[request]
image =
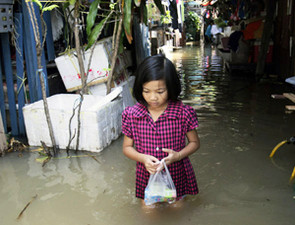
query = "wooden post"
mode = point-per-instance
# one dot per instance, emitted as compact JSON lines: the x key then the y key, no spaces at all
{"x":5,"y":51}
{"x":30,"y":55}
{"x":292,"y":35}
{"x":20,"y":72}
{"x":3,"y":143}
{"x":266,"y":35}
{"x":2,"y":99}
{"x":49,"y":38}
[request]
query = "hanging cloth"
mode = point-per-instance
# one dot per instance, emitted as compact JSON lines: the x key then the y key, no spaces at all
{"x":173,"y":13}
{"x":235,"y":16}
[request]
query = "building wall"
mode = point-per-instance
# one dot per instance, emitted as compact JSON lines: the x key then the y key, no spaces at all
{"x":284,"y":38}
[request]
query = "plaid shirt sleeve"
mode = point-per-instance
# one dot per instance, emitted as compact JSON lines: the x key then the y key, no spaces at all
{"x":190,"y":118}
{"x":126,"y":122}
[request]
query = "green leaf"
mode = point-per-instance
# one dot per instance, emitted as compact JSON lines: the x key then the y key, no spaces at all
{"x":137,"y":2}
{"x":66,"y":5}
{"x":94,"y":33}
{"x":127,"y":17}
{"x":112,"y":6}
{"x":91,"y":16}
{"x":42,"y":154}
{"x":38,"y":3}
{"x":145,"y":15}
{"x":72,"y":2}
{"x":49,"y":8}
{"x":41,"y":160}
{"x":160,"y":6}
{"x":121,"y":45}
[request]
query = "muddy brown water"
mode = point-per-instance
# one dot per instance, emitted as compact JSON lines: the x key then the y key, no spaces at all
{"x":239,"y":126}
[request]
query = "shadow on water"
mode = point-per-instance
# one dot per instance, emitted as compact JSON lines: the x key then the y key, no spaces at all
{"x":239,"y":126}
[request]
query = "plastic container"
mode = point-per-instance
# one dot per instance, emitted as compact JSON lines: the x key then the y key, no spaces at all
{"x":290,"y":80}
{"x":100,"y":120}
{"x":128,"y":100}
{"x":69,"y":70}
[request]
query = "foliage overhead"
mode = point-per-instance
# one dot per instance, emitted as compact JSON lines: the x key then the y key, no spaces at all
{"x":192,"y":23}
{"x":91,"y":16}
{"x":46,"y":7}
{"x":128,"y":8}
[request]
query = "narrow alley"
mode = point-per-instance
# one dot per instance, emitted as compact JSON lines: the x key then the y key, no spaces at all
{"x":239,"y":184}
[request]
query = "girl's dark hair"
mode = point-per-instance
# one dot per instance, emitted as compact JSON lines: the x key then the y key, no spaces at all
{"x":156,"y":67}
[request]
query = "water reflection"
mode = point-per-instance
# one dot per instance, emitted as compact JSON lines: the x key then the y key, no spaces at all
{"x":77,"y":174}
{"x":200,"y":69}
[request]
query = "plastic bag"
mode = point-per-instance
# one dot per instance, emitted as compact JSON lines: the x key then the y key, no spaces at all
{"x":160,"y":187}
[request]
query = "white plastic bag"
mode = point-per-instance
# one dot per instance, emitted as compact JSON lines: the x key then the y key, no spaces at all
{"x":291,"y":80}
{"x":160,"y":187}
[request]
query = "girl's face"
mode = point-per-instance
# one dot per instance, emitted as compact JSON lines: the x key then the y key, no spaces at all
{"x":155,"y":94}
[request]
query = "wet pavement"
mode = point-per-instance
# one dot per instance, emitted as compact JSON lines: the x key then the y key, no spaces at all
{"x":240,"y":124}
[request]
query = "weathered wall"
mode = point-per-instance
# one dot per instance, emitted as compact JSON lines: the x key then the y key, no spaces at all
{"x":284,"y":31}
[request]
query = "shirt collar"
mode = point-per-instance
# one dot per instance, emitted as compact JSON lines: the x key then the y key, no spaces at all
{"x":140,"y":110}
{"x":172,"y":111}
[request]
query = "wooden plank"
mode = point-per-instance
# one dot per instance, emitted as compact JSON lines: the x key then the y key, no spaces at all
{"x":20,"y":72}
{"x":2,"y":100}
{"x":4,"y":38}
{"x":290,"y":107}
{"x":100,"y":81}
{"x":276,"y":96}
{"x":290,"y":96}
{"x":49,"y":38}
{"x":30,"y":54}
{"x":3,"y":143}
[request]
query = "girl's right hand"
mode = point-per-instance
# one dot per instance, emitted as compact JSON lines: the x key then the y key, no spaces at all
{"x":151,"y":163}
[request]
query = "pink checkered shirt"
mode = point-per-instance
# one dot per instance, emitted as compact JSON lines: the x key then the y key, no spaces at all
{"x":169,"y":131}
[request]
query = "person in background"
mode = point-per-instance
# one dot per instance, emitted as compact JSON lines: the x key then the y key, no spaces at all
{"x":208,"y":36}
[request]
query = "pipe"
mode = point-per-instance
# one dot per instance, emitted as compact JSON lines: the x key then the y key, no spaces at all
{"x":277,"y":147}
{"x":293,"y":175}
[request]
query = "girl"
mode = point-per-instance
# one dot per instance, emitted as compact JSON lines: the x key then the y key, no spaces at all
{"x":156,"y":127}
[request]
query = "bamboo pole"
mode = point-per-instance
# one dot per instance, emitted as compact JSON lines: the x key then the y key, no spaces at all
{"x":78,"y":47}
{"x":39,"y":48}
{"x":115,"y":53}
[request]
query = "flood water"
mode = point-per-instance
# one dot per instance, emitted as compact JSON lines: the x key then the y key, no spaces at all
{"x":240,"y":124}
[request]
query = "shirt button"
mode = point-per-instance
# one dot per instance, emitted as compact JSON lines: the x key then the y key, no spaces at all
{"x":157,"y":148}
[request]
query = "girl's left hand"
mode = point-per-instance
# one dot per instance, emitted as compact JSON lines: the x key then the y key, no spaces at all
{"x":172,"y":157}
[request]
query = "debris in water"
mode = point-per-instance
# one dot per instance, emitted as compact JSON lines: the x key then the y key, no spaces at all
{"x":21,"y":213}
{"x":94,"y":158}
{"x":16,"y":146}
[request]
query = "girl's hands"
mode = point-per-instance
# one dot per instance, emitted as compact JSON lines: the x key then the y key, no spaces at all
{"x":151,"y":163}
{"x":172,"y":157}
